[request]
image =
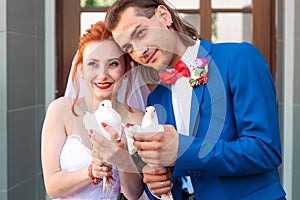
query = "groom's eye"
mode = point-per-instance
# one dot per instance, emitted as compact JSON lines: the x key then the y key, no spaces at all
{"x":140,"y":33}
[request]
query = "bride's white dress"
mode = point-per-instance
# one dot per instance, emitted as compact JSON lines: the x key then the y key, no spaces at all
{"x":76,"y":155}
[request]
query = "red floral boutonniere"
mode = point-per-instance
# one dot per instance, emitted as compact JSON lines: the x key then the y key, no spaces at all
{"x":199,"y":72}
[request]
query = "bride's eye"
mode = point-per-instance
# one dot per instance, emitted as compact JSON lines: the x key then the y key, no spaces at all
{"x":93,"y":64}
{"x":114,"y":64}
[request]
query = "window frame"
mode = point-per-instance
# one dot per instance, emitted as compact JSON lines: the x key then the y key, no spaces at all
{"x":68,"y":31}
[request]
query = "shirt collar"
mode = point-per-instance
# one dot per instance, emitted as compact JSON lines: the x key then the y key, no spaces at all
{"x":191,"y":53}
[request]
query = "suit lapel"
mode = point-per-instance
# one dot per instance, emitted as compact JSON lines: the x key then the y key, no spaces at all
{"x":197,"y":94}
{"x":161,"y":100}
{"x":195,"y":108}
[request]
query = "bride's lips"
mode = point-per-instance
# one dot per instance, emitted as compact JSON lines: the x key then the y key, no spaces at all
{"x":103,"y":85}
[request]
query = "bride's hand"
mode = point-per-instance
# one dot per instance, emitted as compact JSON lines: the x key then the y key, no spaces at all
{"x":100,"y":169}
{"x":113,"y":152}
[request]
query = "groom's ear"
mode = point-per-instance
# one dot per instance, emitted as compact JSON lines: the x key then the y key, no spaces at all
{"x":163,"y":15}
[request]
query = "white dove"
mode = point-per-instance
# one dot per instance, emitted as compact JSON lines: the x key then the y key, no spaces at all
{"x":150,"y":121}
{"x":104,"y":114}
{"x":149,"y":124}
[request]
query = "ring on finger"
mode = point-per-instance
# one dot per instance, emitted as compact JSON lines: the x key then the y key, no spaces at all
{"x":162,"y":184}
{"x":100,"y":168}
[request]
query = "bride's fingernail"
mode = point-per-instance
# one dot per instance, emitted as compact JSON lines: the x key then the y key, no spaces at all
{"x":90,"y":132}
{"x":104,"y":124}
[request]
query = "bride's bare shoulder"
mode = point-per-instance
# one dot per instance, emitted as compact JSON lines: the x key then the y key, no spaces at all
{"x":60,"y":104}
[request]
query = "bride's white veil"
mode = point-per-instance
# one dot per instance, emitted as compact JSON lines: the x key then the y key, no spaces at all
{"x":70,"y":90}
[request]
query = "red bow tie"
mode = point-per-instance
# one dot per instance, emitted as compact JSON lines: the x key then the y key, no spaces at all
{"x":180,"y":69}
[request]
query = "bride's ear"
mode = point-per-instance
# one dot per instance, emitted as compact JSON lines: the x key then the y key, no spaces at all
{"x":80,"y":71}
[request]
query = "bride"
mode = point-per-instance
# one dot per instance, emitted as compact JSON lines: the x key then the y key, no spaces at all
{"x":69,"y":170}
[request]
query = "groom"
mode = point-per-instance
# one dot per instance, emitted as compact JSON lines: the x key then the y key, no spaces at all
{"x":218,"y":102}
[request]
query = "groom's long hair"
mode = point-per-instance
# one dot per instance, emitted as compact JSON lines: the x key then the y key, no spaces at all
{"x":187,"y":32}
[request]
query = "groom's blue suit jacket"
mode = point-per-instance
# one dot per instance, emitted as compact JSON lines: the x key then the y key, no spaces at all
{"x":233,"y":148}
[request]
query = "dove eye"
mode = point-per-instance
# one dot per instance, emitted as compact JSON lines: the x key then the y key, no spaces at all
{"x":103,"y":104}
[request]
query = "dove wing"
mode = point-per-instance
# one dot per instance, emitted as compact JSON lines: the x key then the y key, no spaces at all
{"x":90,"y":122}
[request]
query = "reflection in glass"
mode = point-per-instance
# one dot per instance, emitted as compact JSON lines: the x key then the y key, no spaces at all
{"x":96,"y":3}
{"x":180,"y":4}
{"x":238,"y":4}
{"x":231,"y":27}
{"x":89,"y":18}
